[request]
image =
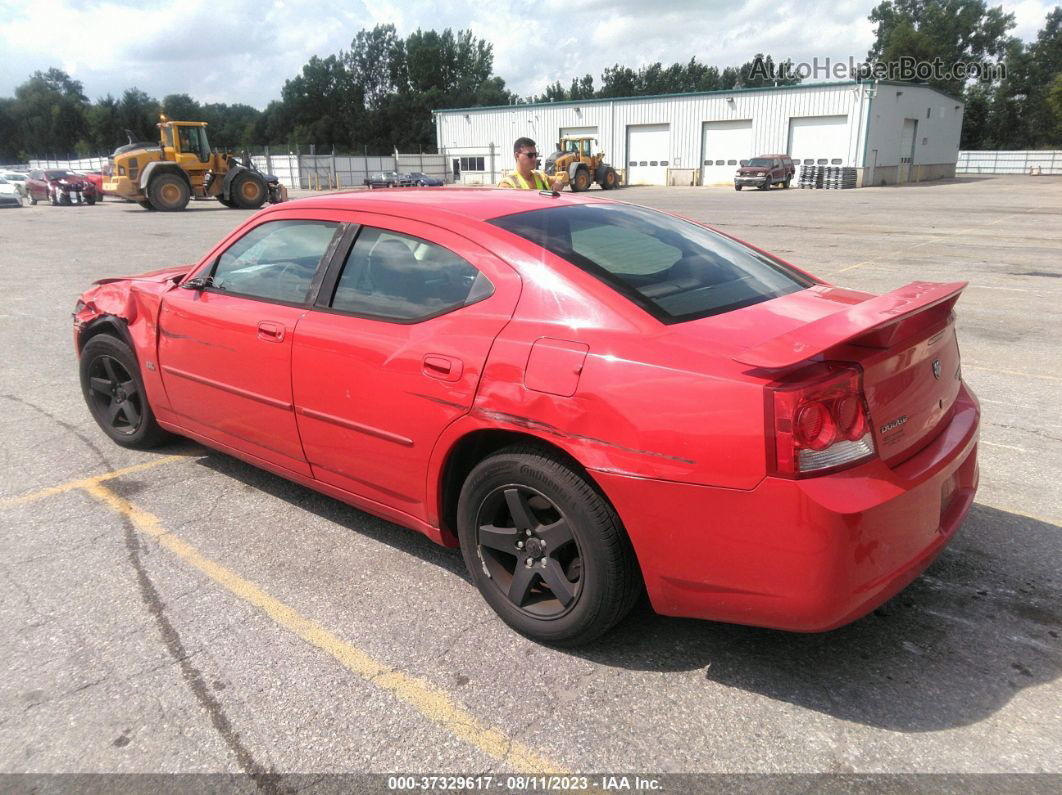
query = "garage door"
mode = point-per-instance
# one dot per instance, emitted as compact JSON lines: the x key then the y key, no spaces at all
{"x":725,"y":144}
{"x":648,"y":153}
{"x":819,"y":138}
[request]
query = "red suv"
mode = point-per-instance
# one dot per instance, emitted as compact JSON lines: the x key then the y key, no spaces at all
{"x":764,"y":171}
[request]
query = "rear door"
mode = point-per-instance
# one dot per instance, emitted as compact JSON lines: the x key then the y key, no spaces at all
{"x":392,"y":353}
{"x":225,"y":350}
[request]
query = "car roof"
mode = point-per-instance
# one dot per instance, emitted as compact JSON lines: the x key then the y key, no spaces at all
{"x":480,"y":204}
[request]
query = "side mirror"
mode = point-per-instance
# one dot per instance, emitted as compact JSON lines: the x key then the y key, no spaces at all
{"x":199,"y":283}
{"x":743,"y":163}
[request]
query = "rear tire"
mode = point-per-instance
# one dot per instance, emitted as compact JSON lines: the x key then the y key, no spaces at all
{"x":33,"y":199}
{"x":248,"y":191}
{"x":524,"y":495}
{"x":169,"y":193}
{"x":115,"y":394}
{"x":787,"y":183}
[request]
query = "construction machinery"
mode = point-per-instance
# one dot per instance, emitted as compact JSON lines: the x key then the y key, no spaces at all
{"x":182,"y":166}
{"x":575,"y":156}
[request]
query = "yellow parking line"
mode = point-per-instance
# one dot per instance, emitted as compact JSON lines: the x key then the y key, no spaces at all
{"x":85,"y":483}
{"x":431,"y":702}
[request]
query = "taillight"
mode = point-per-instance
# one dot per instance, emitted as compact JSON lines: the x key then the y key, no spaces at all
{"x":820,"y":423}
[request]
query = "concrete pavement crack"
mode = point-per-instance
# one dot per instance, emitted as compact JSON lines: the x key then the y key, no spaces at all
{"x":266,"y":780}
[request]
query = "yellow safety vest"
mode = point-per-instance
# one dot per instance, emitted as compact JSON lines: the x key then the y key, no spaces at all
{"x":515,"y":180}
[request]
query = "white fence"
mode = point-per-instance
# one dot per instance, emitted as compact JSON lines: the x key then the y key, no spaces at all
{"x":311,"y":172}
{"x":1034,"y":162}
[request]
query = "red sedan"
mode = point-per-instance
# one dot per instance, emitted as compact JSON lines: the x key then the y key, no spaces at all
{"x":60,"y":187}
{"x":586,"y":396}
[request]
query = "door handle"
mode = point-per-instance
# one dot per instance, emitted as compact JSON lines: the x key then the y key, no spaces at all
{"x":445,"y":368}
{"x":270,"y":332}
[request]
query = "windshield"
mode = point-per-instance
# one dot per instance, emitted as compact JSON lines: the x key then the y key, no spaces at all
{"x":572,"y":146}
{"x":673,"y":269}
{"x":59,"y":174}
{"x":760,"y":162}
{"x":3,"y":181}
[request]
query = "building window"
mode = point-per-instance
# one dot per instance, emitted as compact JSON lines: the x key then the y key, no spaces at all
{"x":472,"y":164}
{"x":731,"y":162}
{"x":929,"y":111}
{"x":836,"y":161}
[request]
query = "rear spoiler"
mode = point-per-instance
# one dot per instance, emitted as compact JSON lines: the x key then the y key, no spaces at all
{"x":848,"y":325}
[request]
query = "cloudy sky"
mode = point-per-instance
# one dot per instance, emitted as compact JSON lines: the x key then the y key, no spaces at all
{"x":243,"y":50}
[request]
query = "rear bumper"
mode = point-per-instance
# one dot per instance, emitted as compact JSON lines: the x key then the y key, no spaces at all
{"x":802,"y":555}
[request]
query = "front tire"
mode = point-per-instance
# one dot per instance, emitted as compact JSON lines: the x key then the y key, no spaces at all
{"x":248,"y":191}
{"x":169,"y":193}
{"x":545,"y":549}
{"x":581,"y":181}
{"x":115,"y":395}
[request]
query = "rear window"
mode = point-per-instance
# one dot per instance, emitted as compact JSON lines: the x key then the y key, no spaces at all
{"x":673,"y":269}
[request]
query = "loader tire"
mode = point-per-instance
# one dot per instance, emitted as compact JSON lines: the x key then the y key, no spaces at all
{"x":248,"y":191}
{"x":168,"y":193}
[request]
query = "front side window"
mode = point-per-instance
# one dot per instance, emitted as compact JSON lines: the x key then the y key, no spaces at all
{"x":275,"y":261}
{"x":398,"y":277}
{"x":673,"y":269}
{"x":194,"y":142}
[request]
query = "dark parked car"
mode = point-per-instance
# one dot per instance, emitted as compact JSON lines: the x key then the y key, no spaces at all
{"x":389,"y":179}
{"x":60,"y":187}
{"x":764,"y":171}
{"x":424,"y":180}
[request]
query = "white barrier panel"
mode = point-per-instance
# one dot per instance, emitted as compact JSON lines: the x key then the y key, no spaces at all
{"x":1034,"y":162}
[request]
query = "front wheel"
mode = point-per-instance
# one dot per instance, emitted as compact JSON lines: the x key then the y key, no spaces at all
{"x":168,"y":193}
{"x":115,"y":394}
{"x":545,"y":549}
{"x":248,"y":191}
{"x":581,"y":181}
{"x":737,"y":187}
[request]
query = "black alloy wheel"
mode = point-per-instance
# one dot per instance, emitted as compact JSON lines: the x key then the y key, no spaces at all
{"x":526,"y":544}
{"x":545,"y":549}
{"x":114,"y":392}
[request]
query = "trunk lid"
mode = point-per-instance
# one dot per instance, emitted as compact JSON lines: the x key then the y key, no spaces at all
{"x":904,"y":341}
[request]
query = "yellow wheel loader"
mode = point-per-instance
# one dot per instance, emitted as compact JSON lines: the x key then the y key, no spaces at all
{"x":575,"y":157}
{"x":182,"y":165}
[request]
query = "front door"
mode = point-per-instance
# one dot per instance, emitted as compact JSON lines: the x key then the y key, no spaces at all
{"x":225,"y":349}
{"x":392,"y":354}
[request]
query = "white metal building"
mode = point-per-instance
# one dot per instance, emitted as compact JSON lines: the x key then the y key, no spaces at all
{"x":889,"y":132}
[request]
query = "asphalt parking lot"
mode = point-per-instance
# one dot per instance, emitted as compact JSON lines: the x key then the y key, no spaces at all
{"x":181,"y":611}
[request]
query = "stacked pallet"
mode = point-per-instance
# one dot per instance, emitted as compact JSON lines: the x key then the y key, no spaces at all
{"x":828,"y":177}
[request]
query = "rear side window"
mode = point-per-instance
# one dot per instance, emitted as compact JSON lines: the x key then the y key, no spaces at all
{"x":275,"y":261}
{"x":396,"y":277}
{"x":673,"y":269}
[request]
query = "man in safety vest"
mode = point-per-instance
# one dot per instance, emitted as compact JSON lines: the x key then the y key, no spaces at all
{"x":526,"y":176}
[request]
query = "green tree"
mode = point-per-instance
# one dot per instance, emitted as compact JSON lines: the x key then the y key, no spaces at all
{"x":181,"y":107}
{"x":50,"y":112}
{"x":953,"y":30}
{"x":139,"y":114}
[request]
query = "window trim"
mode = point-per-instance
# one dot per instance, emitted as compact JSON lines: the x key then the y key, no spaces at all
{"x":315,"y":282}
{"x":330,"y":280}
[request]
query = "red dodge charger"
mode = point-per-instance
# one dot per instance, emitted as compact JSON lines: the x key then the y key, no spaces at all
{"x":588,"y":397}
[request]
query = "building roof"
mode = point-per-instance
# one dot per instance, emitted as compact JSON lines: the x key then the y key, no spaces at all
{"x":727,"y":92}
